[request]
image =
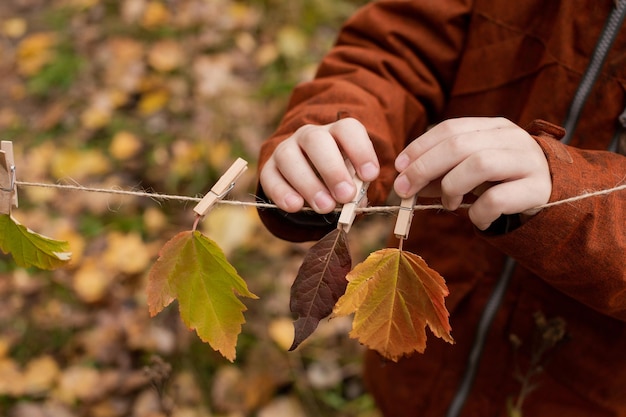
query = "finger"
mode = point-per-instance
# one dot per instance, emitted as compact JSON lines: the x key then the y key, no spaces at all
{"x":440,"y":159}
{"x":278,"y":190}
{"x":322,"y":150}
{"x":505,"y":198}
{"x":357,"y":146}
{"x":294,"y":167}
{"x":445,"y":130}
{"x":479,"y":168}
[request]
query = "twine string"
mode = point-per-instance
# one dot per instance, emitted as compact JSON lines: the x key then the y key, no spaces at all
{"x":375,"y":209}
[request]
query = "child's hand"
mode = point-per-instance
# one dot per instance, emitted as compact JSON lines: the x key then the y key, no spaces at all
{"x":309,"y":166}
{"x":491,"y":155}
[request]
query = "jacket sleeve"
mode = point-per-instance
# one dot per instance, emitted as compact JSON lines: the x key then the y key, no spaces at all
{"x":392,"y":68}
{"x":577,"y":247}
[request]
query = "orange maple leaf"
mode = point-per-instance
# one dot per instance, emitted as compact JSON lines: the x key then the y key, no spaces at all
{"x":394,"y":295}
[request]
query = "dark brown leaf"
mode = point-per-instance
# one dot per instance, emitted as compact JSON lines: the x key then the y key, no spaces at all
{"x":321,"y":280}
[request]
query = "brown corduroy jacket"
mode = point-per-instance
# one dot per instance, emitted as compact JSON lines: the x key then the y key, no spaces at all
{"x":400,"y":66}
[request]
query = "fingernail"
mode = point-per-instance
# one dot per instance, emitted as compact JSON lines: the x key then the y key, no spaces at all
{"x":402,"y":161}
{"x":323,"y":201}
{"x":344,"y":191}
{"x":402,"y":185}
{"x":369,"y":171}
{"x":292,"y":201}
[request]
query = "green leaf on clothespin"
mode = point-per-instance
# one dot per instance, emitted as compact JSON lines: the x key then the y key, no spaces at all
{"x":29,"y":248}
{"x":192,"y":268}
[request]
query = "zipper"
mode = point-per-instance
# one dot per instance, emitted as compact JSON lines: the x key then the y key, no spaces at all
{"x":607,"y":37}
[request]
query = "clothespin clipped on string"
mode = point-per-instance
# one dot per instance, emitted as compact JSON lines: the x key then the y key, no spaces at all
{"x":348,"y":211}
{"x":405,"y":216}
{"x":221,"y":187}
{"x":8,"y":190}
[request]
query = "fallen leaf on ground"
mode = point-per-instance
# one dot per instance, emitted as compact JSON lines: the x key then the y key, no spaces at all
{"x":90,"y":281}
{"x":35,"y":51}
{"x":166,"y":56}
{"x":125,"y":145}
{"x":127,"y":252}
{"x":78,"y":383}
{"x":40,"y":375}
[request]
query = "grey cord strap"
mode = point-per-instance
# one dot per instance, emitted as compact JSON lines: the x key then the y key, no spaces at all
{"x":491,"y":308}
{"x":609,"y":33}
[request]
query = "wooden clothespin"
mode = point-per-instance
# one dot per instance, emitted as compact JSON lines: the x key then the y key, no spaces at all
{"x":405,"y":216}
{"x":348,"y":211}
{"x":221,"y":187}
{"x":8,"y":190}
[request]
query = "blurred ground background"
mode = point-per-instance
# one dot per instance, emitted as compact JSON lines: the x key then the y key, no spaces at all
{"x":158,"y":95}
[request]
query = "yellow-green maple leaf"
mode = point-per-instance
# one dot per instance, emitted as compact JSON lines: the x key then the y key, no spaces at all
{"x":394,"y":295}
{"x":193,"y":269}
{"x":29,"y":248}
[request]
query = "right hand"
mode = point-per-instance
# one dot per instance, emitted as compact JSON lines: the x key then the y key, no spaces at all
{"x":309,"y":166}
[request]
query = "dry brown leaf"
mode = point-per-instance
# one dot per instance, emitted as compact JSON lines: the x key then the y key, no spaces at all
{"x":132,"y":10}
{"x":185,"y":389}
{"x":291,"y":41}
{"x":66,"y":231}
{"x":123,"y":62}
{"x":154,"y":220}
{"x":9,"y":118}
{"x":213,"y":74}
{"x":40,"y":375}
{"x":14,"y":27}
{"x":281,"y":331}
{"x":127,"y":253}
{"x":91,"y":282}
{"x":35,"y":51}
{"x":185,"y":156}
{"x":230,"y":228}
{"x":5,"y":346}
{"x":77,"y":383}
{"x":227,"y":392}
{"x":166,"y":56}
{"x":266,"y":54}
{"x":221,"y":151}
{"x":11,"y":378}
{"x":284,"y":406}
{"x":147,"y":404}
{"x":155,"y":14}
{"x":125,"y":145}
{"x":78,"y":164}
{"x":153,"y":101}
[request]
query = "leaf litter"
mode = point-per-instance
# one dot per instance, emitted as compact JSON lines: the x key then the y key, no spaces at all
{"x":107,"y":78}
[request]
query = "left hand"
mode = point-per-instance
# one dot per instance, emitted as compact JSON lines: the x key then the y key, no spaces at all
{"x":458,"y":156}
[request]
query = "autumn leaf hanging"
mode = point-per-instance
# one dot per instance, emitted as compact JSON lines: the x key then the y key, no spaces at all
{"x":321,"y":280}
{"x":193,"y":269}
{"x":29,"y":248}
{"x":394,"y":295}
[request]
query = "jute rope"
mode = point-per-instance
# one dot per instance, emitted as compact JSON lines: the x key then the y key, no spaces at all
{"x":378,"y":209}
